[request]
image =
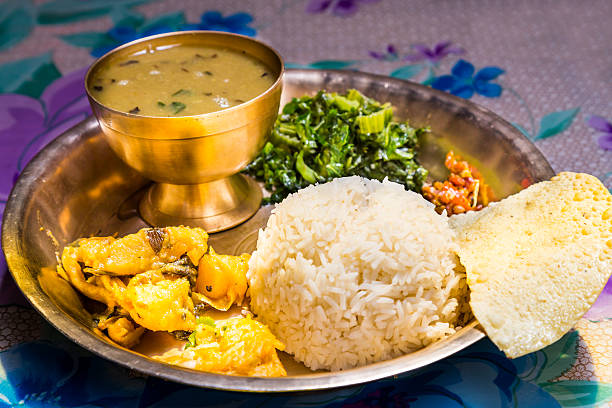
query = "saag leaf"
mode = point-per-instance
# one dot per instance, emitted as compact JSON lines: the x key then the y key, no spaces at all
{"x":316,"y":139}
{"x":306,"y":172}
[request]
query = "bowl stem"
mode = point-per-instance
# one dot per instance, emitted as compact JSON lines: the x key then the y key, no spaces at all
{"x":215,"y":206}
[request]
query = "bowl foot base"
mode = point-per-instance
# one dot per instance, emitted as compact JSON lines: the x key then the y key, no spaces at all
{"x":215,"y":206}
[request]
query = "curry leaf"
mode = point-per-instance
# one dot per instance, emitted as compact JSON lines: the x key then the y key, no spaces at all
{"x":407,"y":71}
{"x":29,"y":76}
{"x":556,"y":122}
{"x":17,"y":19}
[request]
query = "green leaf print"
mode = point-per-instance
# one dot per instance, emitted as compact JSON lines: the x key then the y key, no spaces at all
{"x":29,"y":76}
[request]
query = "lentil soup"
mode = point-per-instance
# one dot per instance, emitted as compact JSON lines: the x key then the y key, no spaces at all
{"x":181,"y":80}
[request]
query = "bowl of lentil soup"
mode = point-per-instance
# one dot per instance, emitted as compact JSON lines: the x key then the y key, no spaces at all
{"x":188,"y":110}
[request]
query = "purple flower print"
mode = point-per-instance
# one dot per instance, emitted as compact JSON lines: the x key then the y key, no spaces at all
{"x":390,"y":54}
{"x":602,"y":309}
{"x":26,"y":126}
{"x":342,"y":8}
{"x":604,"y":127}
{"x":435,"y":54}
{"x":462,"y":81}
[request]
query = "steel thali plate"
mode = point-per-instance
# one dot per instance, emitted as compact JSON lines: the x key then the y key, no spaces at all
{"x":76,"y":187}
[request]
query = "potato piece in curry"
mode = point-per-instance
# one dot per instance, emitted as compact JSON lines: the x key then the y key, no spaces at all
{"x":222,"y":279}
{"x":154,"y":300}
{"x":122,"y":330}
{"x":149,"y":248}
{"x":236,"y":346}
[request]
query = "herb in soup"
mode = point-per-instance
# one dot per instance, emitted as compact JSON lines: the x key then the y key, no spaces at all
{"x":180,"y":81}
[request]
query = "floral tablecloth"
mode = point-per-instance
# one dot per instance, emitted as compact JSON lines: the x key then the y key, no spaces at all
{"x":545,"y":66}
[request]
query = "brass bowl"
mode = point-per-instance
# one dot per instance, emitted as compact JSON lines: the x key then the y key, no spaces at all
{"x":194,"y":160}
{"x":77,"y":187}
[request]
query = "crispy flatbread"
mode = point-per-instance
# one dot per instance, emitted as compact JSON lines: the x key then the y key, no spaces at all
{"x":537,"y":260}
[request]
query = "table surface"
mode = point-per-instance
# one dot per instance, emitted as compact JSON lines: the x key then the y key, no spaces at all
{"x":544,"y":66}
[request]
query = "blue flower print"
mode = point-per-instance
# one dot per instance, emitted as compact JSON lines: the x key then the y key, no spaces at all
{"x":23,"y":380}
{"x":213,"y":20}
{"x":123,"y":34}
{"x":462,"y":81}
{"x":43,"y":374}
{"x":130,"y":26}
{"x":58,"y":373}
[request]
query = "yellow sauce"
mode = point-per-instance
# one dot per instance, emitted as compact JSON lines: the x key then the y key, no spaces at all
{"x":180,"y":81}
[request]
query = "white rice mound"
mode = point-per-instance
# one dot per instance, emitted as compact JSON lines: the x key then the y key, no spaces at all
{"x":355,"y":271}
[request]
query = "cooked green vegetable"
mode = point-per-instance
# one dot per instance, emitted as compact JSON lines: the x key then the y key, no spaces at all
{"x":191,"y":341}
{"x":316,"y":139}
{"x":206,"y":320}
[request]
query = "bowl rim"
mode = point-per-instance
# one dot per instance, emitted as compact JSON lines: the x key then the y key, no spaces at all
{"x":12,"y":228}
{"x":269,"y":90}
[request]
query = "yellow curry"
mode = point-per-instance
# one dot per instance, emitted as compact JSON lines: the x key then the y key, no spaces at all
{"x":165,"y":280}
